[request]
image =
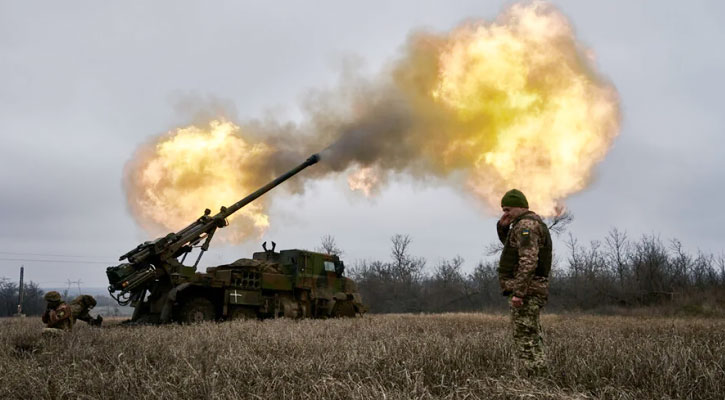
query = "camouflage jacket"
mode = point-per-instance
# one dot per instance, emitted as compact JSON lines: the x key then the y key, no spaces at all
{"x":526,"y":257}
{"x":80,"y":306}
{"x":59,"y":317}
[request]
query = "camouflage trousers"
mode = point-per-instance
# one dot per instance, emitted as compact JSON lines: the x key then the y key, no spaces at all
{"x":53,"y":332}
{"x":529,"y":346}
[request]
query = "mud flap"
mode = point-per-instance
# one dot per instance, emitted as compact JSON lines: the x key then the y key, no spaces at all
{"x":165,"y":316}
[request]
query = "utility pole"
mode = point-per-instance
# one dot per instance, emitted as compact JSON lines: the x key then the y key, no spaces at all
{"x":67,"y":290}
{"x":71,"y":283}
{"x":20,"y":292}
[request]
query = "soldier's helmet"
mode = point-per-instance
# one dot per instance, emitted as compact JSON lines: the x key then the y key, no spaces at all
{"x":52,"y":297}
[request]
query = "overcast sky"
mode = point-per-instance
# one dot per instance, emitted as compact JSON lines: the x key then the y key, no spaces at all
{"x":82,"y":84}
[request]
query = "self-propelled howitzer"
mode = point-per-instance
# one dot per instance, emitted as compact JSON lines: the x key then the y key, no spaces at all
{"x":290,"y":283}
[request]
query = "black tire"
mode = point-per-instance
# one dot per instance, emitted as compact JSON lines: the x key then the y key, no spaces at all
{"x":195,"y":310}
{"x":241,"y":313}
{"x":140,"y":312}
{"x":343,"y":309}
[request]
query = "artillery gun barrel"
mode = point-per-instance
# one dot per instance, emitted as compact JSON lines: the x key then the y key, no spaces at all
{"x":194,"y":231}
{"x":313,"y":159}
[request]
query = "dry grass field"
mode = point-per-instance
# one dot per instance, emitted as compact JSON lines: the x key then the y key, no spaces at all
{"x":449,"y":356}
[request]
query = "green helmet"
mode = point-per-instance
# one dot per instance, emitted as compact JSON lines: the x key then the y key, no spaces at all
{"x":52,"y":297}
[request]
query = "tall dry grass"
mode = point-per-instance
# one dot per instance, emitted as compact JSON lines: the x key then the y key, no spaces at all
{"x":449,"y":356}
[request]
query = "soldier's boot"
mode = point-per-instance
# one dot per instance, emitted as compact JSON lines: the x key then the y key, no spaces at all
{"x":537,"y":371}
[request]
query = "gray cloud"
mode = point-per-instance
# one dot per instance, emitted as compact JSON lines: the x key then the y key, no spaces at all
{"x":83,"y":87}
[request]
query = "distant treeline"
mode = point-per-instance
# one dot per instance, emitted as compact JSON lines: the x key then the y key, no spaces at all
{"x":33,"y":303}
{"x":616,"y":272}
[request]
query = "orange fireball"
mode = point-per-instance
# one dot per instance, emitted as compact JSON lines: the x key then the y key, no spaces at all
{"x":172,"y":181}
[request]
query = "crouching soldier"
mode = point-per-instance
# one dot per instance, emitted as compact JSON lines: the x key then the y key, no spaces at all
{"x":58,"y":316}
{"x":80,"y":306}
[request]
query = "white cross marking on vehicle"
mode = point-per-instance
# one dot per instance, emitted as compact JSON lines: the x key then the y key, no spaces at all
{"x":235,"y":295}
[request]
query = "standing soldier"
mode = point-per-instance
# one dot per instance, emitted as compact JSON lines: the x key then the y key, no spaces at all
{"x":524,"y":276}
{"x":80,"y":307}
{"x":58,"y":316}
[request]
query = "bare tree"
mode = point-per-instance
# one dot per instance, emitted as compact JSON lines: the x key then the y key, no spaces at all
{"x":448,"y":289}
{"x":559,"y":223}
{"x":328,"y":245}
{"x":484,"y":279}
{"x":399,"y":249}
{"x":617,"y":246}
{"x":448,"y":272}
{"x":703,"y":273}
{"x":650,"y":262}
{"x":681,"y":264}
{"x":575,"y":263}
{"x":493,"y":249}
{"x":405,"y":267}
{"x":721,"y":265}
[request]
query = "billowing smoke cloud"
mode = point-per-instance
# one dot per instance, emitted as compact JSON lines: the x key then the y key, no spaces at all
{"x":516,"y":102}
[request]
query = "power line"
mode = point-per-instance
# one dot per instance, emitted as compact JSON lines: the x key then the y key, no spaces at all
{"x":59,"y":261}
{"x":44,"y":255}
{"x":58,"y":284}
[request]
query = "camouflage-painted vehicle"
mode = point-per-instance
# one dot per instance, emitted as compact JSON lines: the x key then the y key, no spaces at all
{"x":289,"y":283}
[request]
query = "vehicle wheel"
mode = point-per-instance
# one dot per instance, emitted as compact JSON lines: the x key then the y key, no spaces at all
{"x":140,"y":311}
{"x":343,"y":308}
{"x":242,"y":313}
{"x":197,"y":309}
